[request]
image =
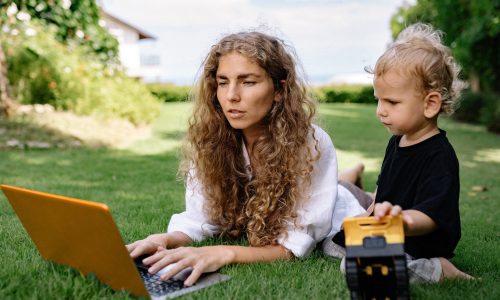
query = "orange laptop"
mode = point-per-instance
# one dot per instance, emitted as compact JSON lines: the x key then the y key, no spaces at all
{"x":83,"y":235}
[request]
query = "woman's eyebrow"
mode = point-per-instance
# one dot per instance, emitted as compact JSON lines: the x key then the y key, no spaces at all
{"x":244,"y":76}
{"x":240,"y":76}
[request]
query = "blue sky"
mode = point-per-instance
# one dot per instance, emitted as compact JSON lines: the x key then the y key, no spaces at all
{"x":334,"y":39}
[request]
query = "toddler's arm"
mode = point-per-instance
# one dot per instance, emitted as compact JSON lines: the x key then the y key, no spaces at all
{"x":415,"y":222}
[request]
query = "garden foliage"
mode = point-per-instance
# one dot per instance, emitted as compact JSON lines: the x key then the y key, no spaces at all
{"x":42,"y":69}
{"x":169,"y":92}
{"x":344,"y":94}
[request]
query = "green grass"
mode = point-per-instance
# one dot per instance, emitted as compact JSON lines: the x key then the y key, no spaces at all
{"x":139,"y":185}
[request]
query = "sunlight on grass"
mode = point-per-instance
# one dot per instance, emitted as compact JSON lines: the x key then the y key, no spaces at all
{"x":337,"y":113}
{"x":347,"y":159}
{"x":168,"y":130}
{"x":154,"y":146}
{"x":488,"y":155}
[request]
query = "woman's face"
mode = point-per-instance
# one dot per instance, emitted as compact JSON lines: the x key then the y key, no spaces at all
{"x":245,"y":92}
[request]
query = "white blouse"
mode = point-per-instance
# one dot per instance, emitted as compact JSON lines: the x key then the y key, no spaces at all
{"x":314,"y":216}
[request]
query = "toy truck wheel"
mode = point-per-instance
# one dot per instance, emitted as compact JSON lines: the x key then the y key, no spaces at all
{"x":401,"y":278}
{"x":352,"y":277}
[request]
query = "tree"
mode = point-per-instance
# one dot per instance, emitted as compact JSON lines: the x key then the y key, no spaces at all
{"x":77,"y":21}
{"x":6,"y":104}
{"x":472,"y":31}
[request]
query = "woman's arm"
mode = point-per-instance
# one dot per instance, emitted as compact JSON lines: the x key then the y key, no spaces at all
{"x":244,"y":255}
{"x":211,"y":258}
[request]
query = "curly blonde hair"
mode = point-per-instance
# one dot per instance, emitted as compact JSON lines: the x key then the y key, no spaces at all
{"x":262,"y":206}
{"x":418,"y":51}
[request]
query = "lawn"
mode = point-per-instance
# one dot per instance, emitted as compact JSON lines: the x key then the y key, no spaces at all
{"x":139,"y":184}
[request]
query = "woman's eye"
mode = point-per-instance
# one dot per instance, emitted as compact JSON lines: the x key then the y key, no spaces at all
{"x":249,"y":82}
{"x":221,"y":83}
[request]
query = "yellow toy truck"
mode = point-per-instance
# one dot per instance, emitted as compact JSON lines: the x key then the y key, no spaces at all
{"x":375,"y":258}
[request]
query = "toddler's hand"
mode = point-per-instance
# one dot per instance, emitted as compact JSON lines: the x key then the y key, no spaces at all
{"x":386,"y":208}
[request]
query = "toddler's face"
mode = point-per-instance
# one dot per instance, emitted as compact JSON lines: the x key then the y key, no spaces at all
{"x":400,"y":105}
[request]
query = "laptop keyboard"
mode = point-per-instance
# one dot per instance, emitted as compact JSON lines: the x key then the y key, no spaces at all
{"x":158,"y":287}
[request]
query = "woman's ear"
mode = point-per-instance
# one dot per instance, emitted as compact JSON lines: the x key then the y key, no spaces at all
{"x":432,"y":104}
{"x":279,"y":94}
{"x":277,"y":97}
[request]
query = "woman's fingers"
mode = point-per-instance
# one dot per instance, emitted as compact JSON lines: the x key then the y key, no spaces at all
{"x":141,"y":247}
{"x":147,"y":245}
{"x":132,"y":246}
{"x":203,"y":259}
{"x":161,"y":259}
{"x":193,"y":277}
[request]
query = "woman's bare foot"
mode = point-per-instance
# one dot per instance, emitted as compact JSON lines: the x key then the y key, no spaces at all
{"x":450,"y":271}
{"x":353,"y":175}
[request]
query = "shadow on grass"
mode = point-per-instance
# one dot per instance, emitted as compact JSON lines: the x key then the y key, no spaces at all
{"x":19,"y":133}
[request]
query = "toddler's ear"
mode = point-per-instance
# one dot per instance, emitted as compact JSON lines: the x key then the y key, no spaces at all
{"x":432,"y":104}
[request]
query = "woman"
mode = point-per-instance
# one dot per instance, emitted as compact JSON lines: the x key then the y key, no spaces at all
{"x":255,"y":164}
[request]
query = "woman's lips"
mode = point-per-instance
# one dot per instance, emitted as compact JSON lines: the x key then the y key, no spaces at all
{"x":235,"y":114}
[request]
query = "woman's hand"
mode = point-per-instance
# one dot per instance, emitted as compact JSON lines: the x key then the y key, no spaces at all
{"x":201,"y":260}
{"x":148,"y":245}
{"x":210,"y":258}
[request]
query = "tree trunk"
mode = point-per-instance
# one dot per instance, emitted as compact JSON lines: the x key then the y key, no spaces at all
{"x":474,"y":82}
{"x":6,"y":103}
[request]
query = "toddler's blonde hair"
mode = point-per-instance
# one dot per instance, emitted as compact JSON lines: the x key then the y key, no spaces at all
{"x":418,"y":51}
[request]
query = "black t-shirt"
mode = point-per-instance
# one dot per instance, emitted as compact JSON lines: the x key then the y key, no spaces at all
{"x":424,"y":177}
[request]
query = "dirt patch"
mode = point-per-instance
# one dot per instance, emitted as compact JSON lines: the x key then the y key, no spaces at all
{"x":41,"y":127}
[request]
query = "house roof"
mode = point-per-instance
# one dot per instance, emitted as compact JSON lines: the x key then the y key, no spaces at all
{"x":142,"y":34}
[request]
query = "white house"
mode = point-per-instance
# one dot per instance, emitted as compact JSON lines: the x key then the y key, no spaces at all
{"x":129,"y":38}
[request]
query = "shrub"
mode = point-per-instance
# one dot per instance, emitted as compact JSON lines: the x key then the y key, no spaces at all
{"x":490,"y":112}
{"x":480,"y":108}
{"x":470,"y":104}
{"x":42,"y":70}
{"x":345,"y":94}
{"x":169,"y":92}
{"x":365,"y":95}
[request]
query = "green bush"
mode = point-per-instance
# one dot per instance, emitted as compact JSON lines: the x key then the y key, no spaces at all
{"x":169,"y":92}
{"x":43,"y":70}
{"x":470,"y":104}
{"x":365,"y":95}
{"x":490,"y":112}
{"x":480,"y":108}
{"x":345,"y":94}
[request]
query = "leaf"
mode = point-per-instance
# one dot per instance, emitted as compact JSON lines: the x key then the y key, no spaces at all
{"x":479,"y":188}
